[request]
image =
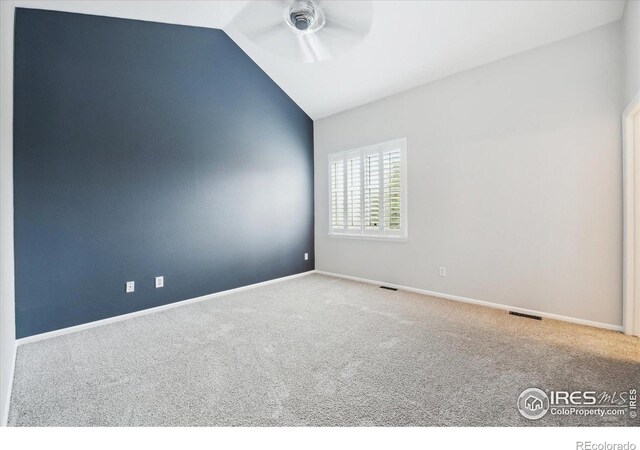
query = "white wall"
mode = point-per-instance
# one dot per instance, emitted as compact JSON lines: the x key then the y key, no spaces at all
{"x":631,"y":27}
{"x":7,"y":307}
{"x":514,"y":181}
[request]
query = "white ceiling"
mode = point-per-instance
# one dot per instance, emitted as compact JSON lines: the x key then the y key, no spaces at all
{"x":410,"y":42}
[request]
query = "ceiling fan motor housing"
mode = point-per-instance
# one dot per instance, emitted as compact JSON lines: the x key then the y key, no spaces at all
{"x":304,"y":16}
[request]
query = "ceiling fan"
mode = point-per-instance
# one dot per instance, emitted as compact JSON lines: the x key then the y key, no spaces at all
{"x":305,"y":30}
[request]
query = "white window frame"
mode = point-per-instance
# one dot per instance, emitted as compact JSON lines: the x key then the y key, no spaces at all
{"x":362,"y":233}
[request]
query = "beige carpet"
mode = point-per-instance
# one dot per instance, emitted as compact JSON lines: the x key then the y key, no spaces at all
{"x":314,"y":351}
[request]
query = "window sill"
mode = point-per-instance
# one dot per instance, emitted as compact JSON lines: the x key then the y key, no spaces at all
{"x":369,"y":238}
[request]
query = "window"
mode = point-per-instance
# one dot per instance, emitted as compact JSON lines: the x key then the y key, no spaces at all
{"x":368,"y":191}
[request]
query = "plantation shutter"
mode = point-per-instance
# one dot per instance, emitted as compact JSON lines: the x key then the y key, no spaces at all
{"x":354,"y":185}
{"x":337,"y":195}
{"x":368,"y":191}
{"x":372,"y":192}
{"x":392,"y":190}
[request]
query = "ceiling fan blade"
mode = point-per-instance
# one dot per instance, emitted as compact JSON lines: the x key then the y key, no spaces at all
{"x":259,"y":33}
{"x":347,"y":23}
{"x":312,"y":48}
{"x":349,"y":35}
{"x":257,"y":15}
{"x":355,"y":15}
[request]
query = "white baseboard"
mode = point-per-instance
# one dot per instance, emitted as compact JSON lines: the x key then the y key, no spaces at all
{"x":5,"y":410}
{"x":98,"y":323}
{"x":457,"y":298}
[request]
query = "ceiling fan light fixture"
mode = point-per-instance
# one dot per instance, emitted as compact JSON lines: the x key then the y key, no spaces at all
{"x":304,"y":17}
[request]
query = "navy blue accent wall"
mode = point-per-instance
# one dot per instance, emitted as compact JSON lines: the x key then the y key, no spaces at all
{"x":145,"y":149}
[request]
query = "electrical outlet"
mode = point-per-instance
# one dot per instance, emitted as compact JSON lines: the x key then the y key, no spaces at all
{"x":306,"y":256}
{"x":131,"y":286}
{"x":443,"y":271}
{"x":159,"y":282}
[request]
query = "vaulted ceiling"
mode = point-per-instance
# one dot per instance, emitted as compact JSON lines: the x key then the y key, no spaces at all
{"x":410,"y":42}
